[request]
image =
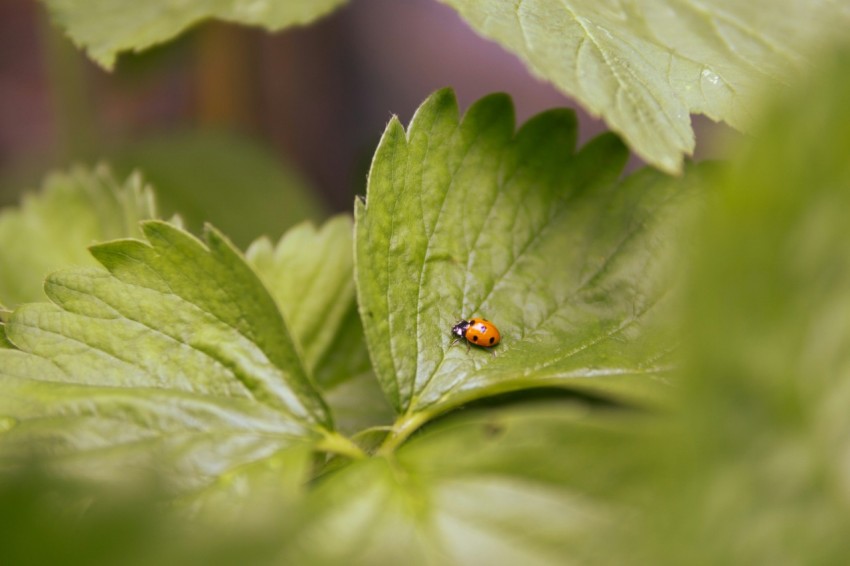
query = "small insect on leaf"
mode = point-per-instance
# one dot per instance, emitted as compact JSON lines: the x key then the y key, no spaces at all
{"x":478,"y":332}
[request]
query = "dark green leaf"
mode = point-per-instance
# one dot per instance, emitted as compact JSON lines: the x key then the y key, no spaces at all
{"x":229,"y":181}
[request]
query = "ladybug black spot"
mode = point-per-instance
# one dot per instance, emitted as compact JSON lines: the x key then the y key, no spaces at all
{"x":472,"y":322}
{"x":475,"y":338}
{"x":492,"y":339}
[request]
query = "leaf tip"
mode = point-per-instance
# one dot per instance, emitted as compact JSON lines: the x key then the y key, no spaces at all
{"x":154,"y":227}
{"x":440,"y":102}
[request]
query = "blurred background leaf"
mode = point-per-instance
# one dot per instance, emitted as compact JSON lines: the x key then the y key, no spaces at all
{"x":752,"y":468}
{"x":646,"y":66}
{"x":315,"y":98}
{"x":53,"y":228}
{"x":49,"y":520}
{"x":225,"y":179}
{"x":107,"y":27}
{"x":644,"y":69}
{"x":525,"y":484}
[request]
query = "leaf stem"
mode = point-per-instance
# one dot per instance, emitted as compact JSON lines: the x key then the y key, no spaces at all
{"x":404,"y":426}
{"x":339,"y":444}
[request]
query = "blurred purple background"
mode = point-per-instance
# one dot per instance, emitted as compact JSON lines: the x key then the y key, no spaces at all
{"x":318,"y":96}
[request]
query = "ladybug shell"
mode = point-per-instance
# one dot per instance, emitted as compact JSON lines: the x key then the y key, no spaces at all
{"x":482,"y":333}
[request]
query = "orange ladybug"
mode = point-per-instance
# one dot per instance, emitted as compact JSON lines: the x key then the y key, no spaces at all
{"x":477,"y":331}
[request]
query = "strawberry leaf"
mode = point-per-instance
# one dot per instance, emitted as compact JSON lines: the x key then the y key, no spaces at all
{"x":175,"y":355}
{"x":52,"y":228}
{"x":467,"y":219}
{"x":106,"y":28}
{"x":646,"y":66}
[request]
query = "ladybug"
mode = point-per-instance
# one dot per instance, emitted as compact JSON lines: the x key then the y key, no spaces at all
{"x":477,"y":331}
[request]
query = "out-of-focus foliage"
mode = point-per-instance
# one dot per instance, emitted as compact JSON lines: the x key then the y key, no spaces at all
{"x":226,"y":180}
{"x":755,"y":467}
{"x":486,"y":487}
{"x":105,"y":28}
{"x":643,"y":66}
{"x":53,"y":228}
{"x":646,"y":66}
{"x":48,"y":520}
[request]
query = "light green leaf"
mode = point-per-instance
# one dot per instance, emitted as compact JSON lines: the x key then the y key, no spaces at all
{"x":310,"y":273}
{"x":755,"y":470}
{"x":230,"y":181}
{"x":105,"y":28}
{"x":51,"y":520}
{"x":520,"y":486}
{"x":52,"y":229}
{"x":176,"y":354}
{"x":646,"y":66}
{"x":471,"y":220}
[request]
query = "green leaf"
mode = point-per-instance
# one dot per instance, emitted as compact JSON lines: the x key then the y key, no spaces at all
{"x":177,"y":354}
{"x":645,"y":66}
{"x":525,"y":485}
{"x":105,"y":28}
{"x":756,"y":467}
{"x":50,"y":520}
{"x":310,"y":273}
{"x":467,"y":219}
{"x":229,"y":181}
{"x":52,"y":229}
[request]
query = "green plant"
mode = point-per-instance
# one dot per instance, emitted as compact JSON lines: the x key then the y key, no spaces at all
{"x":671,"y":385}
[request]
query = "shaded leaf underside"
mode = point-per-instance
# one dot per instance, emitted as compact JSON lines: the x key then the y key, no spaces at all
{"x":646,"y":66}
{"x":108,"y":27}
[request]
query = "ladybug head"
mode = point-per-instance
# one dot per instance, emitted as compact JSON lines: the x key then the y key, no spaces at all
{"x":459,"y":329}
